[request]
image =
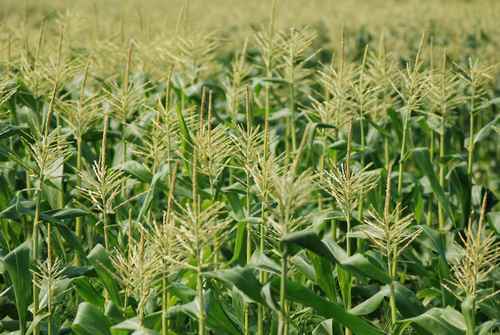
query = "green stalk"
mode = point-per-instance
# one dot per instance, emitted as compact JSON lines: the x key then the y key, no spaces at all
{"x":201,"y":301}
{"x":164,"y":304}
{"x":37,"y":209}
{"x":469,"y":312}
{"x":267,"y":111}
{"x":334,"y":222}
{"x":348,"y":169}
{"x":392,"y":299}
{"x":386,"y":151}
{"x":49,"y":305}
{"x":262,"y":274}
{"x":402,"y":152}
{"x":471,"y":137}
{"x":199,"y":287}
{"x":165,"y":324}
{"x":348,"y":213}
{"x":49,"y":293}
{"x":348,"y":300}
{"x":103,"y":164}
{"x":199,"y":249}
{"x":246,"y":311}
{"x":441,"y":218}
{"x":362,"y":130}
{"x":105,"y":228}
{"x":361,"y":242}
{"x":391,"y":251}
{"x":431,"y":152}
{"x":36,"y":256}
{"x":78,"y":222}
{"x":291,"y":119}
{"x":283,"y":318}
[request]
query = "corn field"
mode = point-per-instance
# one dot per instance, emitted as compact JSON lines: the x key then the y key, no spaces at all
{"x":255,"y":167}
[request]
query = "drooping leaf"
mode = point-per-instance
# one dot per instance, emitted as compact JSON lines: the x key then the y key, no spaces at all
{"x":63,"y":214}
{"x":217,"y":318}
{"x":137,"y":170}
{"x":17,"y":264}
{"x":424,"y":164}
{"x":153,"y":189}
{"x":487,"y":129}
{"x":357,"y":263}
{"x":304,"y":296}
{"x":371,"y":304}
{"x":243,"y":278}
{"x":87,"y":292}
{"x":90,"y":320}
{"x":99,"y":257}
{"x":438,"y":321}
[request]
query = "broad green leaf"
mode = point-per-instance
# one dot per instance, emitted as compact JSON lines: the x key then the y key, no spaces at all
{"x":239,"y":242}
{"x":187,"y":141}
{"x":487,"y":327}
{"x":243,"y":278}
{"x":436,"y":239}
{"x":304,"y":296}
{"x":157,"y":178}
{"x":99,"y":257}
{"x":217,"y":318}
{"x":423,"y":162}
{"x":87,"y":292}
{"x":407,"y":302}
{"x":487,"y":129}
{"x":63,"y":214}
{"x":60,"y":287}
{"x":17,"y":263}
{"x":437,"y":321}
{"x":371,"y":304}
{"x":460,"y":184}
{"x":264,"y":263}
{"x":329,"y":249}
{"x":90,"y":320}
{"x":36,"y":322}
{"x":494,"y":219}
{"x":11,"y":130}
{"x":469,"y":314}
{"x":325,"y":278}
{"x":134,"y":325}
{"x":300,"y":262}
{"x":137,"y":170}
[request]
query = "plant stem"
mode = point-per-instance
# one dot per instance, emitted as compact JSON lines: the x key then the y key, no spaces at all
{"x":49,"y":306}
{"x":283,"y":319}
{"x":164,"y":305}
{"x":105,"y":229}
{"x":391,"y":253}
{"x":402,"y":153}
{"x":392,"y":302}
{"x":470,"y":315}
{"x":441,"y":218}
{"x":78,"y":222}
{"x":348,"y":213}
{"x":431,"y":155}
{"x":49,"y":286}
{"x":471,"y":139}
{"x":248,"y":249}
{"x":201,"y":301}
{"x":262,"y":274}
{"x":292,"y":118}
{"x":361,"y":197}
{"x":35,"y":238}
{"x":267,"y":111}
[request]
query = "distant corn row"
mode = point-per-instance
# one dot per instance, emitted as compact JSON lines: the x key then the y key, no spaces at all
{"x":179,"y":184}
